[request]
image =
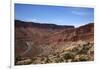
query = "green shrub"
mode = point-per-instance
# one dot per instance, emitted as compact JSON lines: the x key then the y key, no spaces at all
{"x":83,"y":58}
{"x":68,"y":55}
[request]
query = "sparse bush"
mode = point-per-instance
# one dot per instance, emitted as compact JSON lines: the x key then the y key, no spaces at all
{"x":84,"y":50}
{"x":83,"y":58}
{"x":47,"y":60}
{"x":68,"y":55}
{"x":60,"y":60}
{"x":81,"y":52}
{"x":76,"y":58}
{"x":42,"y":59}
{"x":17,"y":58}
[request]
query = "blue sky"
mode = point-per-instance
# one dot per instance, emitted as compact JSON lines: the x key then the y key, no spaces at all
{"x":60,"y":15}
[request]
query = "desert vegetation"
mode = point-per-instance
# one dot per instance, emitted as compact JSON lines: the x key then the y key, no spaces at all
{"x":79,"y":53}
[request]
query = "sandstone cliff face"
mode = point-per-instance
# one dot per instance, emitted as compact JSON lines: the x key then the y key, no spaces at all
{"x":85,"y":33}
{"x":32,"y":39}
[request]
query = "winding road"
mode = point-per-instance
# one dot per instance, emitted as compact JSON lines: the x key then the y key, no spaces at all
{"x":29,"y":48}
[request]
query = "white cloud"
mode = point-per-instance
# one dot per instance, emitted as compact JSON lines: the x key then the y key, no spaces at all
{"x":32,"y":20}
{"x":80,"y":13}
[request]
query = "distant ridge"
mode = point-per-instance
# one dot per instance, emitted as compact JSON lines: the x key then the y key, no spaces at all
{"x":20,"y":23}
